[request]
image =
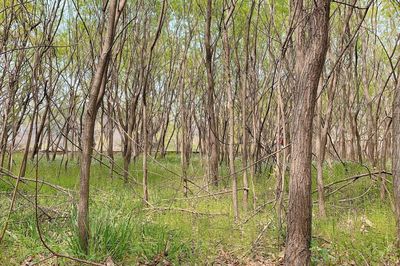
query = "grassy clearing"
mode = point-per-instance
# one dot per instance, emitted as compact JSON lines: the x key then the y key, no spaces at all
{"x":356,"y":231}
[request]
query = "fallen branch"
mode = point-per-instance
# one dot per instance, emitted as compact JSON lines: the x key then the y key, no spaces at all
{"x":339,"y":188}
{"x":22,"y":179}
{"x":27,"y":199}
{"x":354,"y":178}
{"x":185,"y":210}
{"x":360,"y":196}
{"x":256,"y":211}
{"x":255,"y":242}
{"x":205,"y":196}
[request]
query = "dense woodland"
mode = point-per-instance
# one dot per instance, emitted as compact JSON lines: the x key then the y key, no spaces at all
{"x":201,"y":132}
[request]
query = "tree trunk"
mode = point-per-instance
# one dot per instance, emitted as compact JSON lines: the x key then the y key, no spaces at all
{"x":110,"y":137}
{"x":145,"y":150}
{"x":231,"y":115}
{"x":244,"y":113}
{"x":211,"y":119}
{"x":311,"y":46}
{"x":396,"y":156}
{"x":95,"y":98}
{"x":184,"y":158}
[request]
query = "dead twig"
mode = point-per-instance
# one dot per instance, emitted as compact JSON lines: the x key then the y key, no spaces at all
{"x":354,"y":178}
{"x":205,"y":196}
{"x":255,"y":242}
{"x":256,"y":211}
{"x":186,"y":210}
{"x":360,"y":196}
{"x":22,"y":179}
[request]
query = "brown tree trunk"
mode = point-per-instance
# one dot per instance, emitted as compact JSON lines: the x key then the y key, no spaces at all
{"x":184,"y":146}
{"x":231,"y":115}
{"x":145,"y":150}
{"x":245,"y":83}
{"x":321,"y":141}
{"x":396,"y":156}
{"x":110,"y":137}
{"x":281,"y":159}
{"x":211,"y":120}
{"x":95,"y":98}
{"x":144,"y":105}
{"x":311,"y":40}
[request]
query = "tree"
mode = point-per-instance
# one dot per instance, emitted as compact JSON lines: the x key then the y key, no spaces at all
{"x":210,"y":112}
{"x":396,"y":155}
{"x":97,"y":90}
{"x":144,"y":99}
{"x":311,"y":20}
{"x":228,"y":80}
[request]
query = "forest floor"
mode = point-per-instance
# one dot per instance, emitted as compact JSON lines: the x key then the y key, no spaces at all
{"x":198,"y":230}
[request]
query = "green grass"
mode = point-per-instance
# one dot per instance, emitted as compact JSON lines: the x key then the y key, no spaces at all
{"x":123,"y":228}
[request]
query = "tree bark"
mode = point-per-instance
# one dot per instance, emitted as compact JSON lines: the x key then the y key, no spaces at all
{"x":311,"y":40}
{"x":323,"y":126}
{"x":95,"y":98}
{"x":231,"y":115}
{"x":211,"y":119}
{"x":396,"y":156}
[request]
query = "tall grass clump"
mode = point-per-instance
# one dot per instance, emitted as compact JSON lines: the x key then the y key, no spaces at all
{"x":130,"y":238}
{"x":110,"y":236}
{"x":157,"y":243}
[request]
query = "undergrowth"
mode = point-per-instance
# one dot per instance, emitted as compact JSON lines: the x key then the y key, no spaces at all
{"x":359,"y":228}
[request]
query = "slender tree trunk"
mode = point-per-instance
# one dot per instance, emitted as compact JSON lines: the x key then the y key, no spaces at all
{"x":48,"y":145}
{"x":145,"y":150}
{"x":320,"y":151}
{"x":321,"y":141}
{"x":385,"y":146}
{"x":95,"y":98}
{"x":101,"y":140}
{"x":245,"y":82}
{"x":184,"y":158}
{"x":110,"y":129}
{"x":144,"y":104}
{"x":211,"y":119}
{"x":127,"y":154}
{"x":396,"y":156}
{"x":231,"y":119}
{"x":281,"y":160}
